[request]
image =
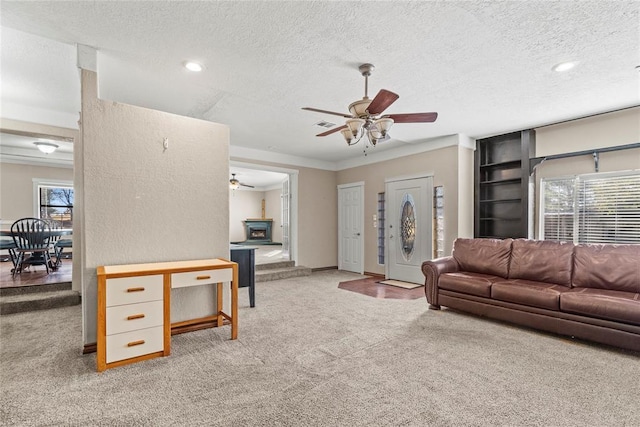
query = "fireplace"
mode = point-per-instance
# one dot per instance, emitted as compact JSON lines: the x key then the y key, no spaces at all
{"x":258,"y":230}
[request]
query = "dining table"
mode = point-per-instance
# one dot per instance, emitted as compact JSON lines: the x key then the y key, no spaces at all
{"x":54,"y":232}
{"x":57,"y":232}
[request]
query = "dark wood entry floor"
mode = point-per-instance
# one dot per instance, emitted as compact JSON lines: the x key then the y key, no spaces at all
{"x":35,"y":275}
{"x":370,"y":286}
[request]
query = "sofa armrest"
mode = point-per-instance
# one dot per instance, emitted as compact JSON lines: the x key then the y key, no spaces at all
{"x":432,"y":270}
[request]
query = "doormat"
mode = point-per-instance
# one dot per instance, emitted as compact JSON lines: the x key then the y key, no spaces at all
{"x":399,"y":284}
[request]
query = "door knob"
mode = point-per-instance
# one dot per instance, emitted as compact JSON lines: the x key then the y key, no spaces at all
{"x":391,"y":236}
{"x":357,"y":234}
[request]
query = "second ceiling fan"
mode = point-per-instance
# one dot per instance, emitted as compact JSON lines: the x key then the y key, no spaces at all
{"x":234,"y":184}
{"x":365,"y":115}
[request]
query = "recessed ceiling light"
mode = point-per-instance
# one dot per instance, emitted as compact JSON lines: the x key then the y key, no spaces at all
{"x":564,"y":66}
{"x":193,"y":66}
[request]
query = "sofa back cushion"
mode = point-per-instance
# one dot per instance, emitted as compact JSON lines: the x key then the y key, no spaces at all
{"x":487,"y":256}
{"x":542,"y":261}
{"x":613,"y":267}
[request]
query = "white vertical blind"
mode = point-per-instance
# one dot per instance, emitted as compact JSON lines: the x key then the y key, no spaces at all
{"x":592,"y":209}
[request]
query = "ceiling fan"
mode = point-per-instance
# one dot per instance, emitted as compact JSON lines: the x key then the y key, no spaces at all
{"x":365,"y":115}
{"x":234,"y":184}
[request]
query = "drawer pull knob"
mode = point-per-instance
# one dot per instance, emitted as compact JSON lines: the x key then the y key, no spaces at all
{"x":135,"y":343}
{"x":135,"y":316}
{"x":203,"y":277}
{"x":135,"y":289}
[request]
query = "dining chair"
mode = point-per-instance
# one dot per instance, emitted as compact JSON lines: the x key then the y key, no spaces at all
{"x":10,"y":247}
{"x":59,"y":248}
{"x":32,"y":239}
{"x":56,"y":226}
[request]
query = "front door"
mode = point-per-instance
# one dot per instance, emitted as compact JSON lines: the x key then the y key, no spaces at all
{"x":409,"y":212}
{"x":350,"y":227}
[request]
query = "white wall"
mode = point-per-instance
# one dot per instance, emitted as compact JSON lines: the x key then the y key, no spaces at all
{"x":142,"y":203}
{"x":16,"y":188}
{"x":604,"y":130}
{"x":243,"y":204}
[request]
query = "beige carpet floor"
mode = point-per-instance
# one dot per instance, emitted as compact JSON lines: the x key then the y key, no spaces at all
{"x":311,"y":354}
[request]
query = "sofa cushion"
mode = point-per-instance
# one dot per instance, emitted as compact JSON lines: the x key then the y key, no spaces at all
{"x":486,"y":256}
{"x":618,"y":306}
{"x":528,"y":292}
{"x":468,"y":283}
{"x":614,"y":267}
{"x":542,"y":261}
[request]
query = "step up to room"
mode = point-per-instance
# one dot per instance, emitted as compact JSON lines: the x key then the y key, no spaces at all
{"x":279,"y":272}
{"x":40,"y":297}
{"x":275,"y":265}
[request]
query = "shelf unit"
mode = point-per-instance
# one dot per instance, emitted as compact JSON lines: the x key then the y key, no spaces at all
{"x":502,"y":185}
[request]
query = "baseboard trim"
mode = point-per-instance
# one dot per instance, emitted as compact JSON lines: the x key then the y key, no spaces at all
{"x":90,"y":348}
{"x":313,"y":270}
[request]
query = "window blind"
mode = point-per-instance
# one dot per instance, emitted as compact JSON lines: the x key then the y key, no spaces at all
{"x":609,"y":210}
{"x":559,"y":209}
{"x":592,"y":209}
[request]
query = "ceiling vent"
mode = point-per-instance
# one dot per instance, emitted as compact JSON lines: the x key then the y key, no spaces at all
{"x":325,"y":124}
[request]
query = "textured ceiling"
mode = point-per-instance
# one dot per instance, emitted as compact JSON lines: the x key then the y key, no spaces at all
{"x":485,"y":67}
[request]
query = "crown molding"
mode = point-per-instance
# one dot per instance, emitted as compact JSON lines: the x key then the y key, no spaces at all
{"x":407,"y":149}
{"x":40,"y":116}
{"x":270,"y":156}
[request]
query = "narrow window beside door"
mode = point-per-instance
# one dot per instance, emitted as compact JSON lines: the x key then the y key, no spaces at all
{"x":381,"y":228}
{"x":438,"y":223}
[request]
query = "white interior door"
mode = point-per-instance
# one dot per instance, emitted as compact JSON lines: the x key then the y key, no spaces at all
{"x":409,"y":212}
{"x":285,"y":209}
{"x":350,"y":227}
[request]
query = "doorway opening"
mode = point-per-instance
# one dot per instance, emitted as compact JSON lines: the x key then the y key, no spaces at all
{"x":38,"y":185}
{"x":263,"y":212}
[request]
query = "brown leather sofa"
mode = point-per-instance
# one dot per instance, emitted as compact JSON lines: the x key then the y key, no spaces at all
{"x":590,"y":292}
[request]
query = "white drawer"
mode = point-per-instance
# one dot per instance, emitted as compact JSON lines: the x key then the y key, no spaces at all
{"x":205,"y":277}
{"x":131,"y":290}
{"x":136,"y":343}
{"x":129,"y":317}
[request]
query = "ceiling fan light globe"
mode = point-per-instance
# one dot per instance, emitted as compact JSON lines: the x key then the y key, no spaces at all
{"x":355,"y":126}
{"x":383,"y":125}
{"x":348,"y":136}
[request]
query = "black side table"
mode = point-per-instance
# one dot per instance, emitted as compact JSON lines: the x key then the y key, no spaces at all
{"x":246,"y":258}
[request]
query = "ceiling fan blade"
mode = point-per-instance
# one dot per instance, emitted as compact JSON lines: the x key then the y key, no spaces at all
{"x":329,"y":132}
{"x":327,"y":112}
{"x":245,"y":185}
{"x":413,"y":117}
{"x":381,"y":102}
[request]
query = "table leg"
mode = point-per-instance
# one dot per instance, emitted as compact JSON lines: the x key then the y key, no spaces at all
{"x":219,"y":305}
{"x":234,"y":303}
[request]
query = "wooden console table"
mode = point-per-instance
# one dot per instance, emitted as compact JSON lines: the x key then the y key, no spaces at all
{"x":134,"y":306}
